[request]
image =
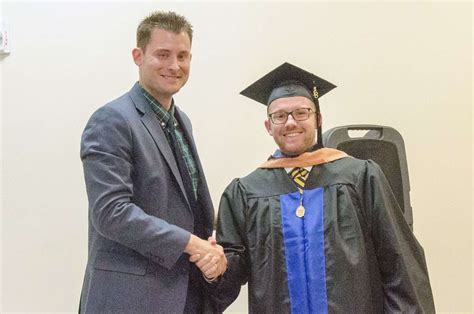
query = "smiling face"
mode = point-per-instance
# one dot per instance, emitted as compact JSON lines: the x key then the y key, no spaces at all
{"x":292,"y":137}
{"x":164,"y":64}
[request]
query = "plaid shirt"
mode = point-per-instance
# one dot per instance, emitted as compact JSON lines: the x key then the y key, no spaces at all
{"x":167,"y":119}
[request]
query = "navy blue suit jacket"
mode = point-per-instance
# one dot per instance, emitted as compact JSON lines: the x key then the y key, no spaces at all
{"x":140,"y":219}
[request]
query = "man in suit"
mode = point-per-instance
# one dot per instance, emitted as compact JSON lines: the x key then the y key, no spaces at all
{"x":149,"y":205}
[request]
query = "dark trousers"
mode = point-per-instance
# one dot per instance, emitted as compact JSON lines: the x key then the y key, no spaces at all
{"x":194,"y":297}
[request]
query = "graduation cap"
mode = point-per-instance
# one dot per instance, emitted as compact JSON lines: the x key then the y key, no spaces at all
{"x":287,"y":80}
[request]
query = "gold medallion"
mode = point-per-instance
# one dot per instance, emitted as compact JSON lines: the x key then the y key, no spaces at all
{"x":300,"y":211}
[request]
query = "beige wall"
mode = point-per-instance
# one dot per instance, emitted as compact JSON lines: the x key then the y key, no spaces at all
{"x":1,"y":171}
{"x":406,"y":65}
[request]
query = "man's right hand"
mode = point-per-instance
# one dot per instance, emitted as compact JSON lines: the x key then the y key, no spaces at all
{"x":208,"y":256}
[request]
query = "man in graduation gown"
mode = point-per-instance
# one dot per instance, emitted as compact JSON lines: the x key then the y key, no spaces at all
{"x":331,"y":240}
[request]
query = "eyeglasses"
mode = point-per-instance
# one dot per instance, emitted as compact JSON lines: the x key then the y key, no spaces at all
{"x":300,"y":114}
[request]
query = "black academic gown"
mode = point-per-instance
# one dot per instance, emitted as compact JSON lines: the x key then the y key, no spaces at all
{"x":352,"y":251}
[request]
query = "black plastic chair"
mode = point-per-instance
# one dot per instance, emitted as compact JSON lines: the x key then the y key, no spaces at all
{"x":386,"y":147}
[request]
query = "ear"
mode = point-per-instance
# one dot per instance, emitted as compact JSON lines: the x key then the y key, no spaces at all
{"x":319,"y":120}
{"x":268,"y":126}
{"x":137,"y":55}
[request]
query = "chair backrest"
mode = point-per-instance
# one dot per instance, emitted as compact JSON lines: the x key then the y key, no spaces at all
{"x":385,"y":146}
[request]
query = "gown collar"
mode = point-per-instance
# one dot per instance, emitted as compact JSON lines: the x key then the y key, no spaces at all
{"x":317,"y":157}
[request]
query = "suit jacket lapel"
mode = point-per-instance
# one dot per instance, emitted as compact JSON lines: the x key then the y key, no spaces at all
{"x":152,"y":125}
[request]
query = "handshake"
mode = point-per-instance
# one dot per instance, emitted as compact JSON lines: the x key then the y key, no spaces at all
{"x":208,"y":256}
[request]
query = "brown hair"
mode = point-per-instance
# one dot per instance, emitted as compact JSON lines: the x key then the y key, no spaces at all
{"x":169,"y":21}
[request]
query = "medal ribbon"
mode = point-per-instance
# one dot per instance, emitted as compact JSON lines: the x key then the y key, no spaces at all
{"x":299,"y":176}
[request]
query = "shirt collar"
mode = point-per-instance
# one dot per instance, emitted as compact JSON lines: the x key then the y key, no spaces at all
{"x":162,"y":114}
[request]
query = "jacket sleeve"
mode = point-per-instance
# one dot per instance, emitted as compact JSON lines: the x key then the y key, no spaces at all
{"x":231,"y":235}
{"x":400,"y":257}
{"x":107,"y":157}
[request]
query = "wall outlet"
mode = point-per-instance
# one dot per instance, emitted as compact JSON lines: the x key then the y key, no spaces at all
{"x":4,"y":39}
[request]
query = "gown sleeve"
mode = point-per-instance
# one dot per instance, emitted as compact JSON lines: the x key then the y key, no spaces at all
{"x":231,"y":235}
{"x":400,"y":257}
